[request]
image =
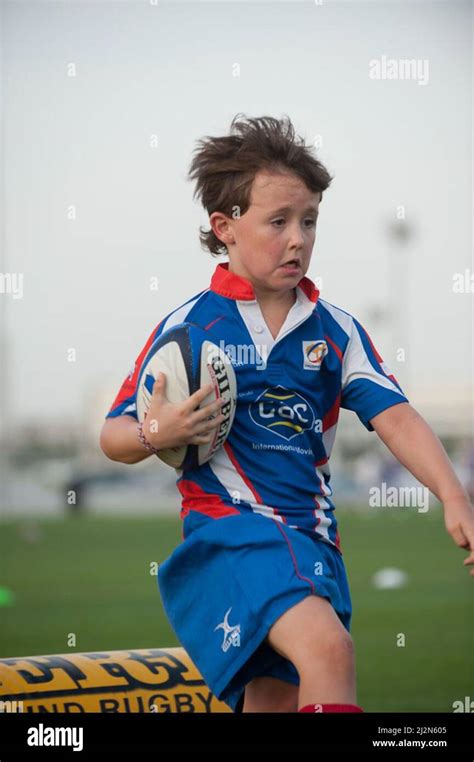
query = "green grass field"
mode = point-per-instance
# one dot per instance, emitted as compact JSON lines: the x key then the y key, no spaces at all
{"x":91,"y":576}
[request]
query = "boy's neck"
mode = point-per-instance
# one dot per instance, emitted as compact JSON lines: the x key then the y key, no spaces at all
{"x":270,"y":300}
{"x":274,"y":300}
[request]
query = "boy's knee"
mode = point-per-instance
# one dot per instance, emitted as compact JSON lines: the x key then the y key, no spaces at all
{"x":310,"y":632}
{"x":335,"y":650}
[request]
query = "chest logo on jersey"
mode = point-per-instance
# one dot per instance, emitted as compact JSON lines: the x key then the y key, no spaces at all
{"x":282,"y":411}
{"x":314,"y":353}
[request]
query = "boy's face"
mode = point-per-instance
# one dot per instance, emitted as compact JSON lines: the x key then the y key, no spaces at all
{"x":271,"y":244}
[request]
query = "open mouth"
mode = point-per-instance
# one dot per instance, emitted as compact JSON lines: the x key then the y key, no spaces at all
{"x":292,"y":264}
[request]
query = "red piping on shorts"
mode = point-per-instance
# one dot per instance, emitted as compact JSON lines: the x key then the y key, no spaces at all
{"x":300,"y":576}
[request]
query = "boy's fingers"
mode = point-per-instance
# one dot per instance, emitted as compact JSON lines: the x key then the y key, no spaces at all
{"x":195,"y":399}
{"x":209,"y":425}
{"x":159,"y":386}
{"x":459,"y":537}
{"x":205,"y":412}
{"x":470,"y":559}
{"x":202,"y":439}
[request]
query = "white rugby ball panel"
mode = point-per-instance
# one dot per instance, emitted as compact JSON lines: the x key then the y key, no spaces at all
{"x":168,"y":360}
{"x":189,"y":360}
{"x":217,"y":369}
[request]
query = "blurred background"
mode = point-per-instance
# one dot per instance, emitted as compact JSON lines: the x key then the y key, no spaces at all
{"x":102,"y":105}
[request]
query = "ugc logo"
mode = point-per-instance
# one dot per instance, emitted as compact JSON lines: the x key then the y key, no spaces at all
{"x":282,"y":411}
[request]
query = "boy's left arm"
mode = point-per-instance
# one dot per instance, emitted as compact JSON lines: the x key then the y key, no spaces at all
{"x":416,"y":446}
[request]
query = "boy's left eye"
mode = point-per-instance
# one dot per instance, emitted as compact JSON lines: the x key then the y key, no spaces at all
{"x":311,"y":222}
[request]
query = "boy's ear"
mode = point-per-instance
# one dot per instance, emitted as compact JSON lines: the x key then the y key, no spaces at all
{"x":220,"y":220}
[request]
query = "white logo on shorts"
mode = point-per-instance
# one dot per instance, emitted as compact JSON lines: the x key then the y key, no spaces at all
{"x":231,"y":633}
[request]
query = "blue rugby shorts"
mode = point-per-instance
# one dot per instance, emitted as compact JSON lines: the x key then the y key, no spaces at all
{"x":229,"y":581}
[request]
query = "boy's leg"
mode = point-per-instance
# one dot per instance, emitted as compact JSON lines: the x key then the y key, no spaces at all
{"x":312,"y":637}
{"x":269,"y":694}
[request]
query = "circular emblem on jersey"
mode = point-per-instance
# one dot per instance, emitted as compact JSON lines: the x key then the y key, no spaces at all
{"x":314,"y":353}
{"x":282,"y":411}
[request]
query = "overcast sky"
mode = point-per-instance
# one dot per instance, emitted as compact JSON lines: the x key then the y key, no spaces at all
{"x":169,"y":69}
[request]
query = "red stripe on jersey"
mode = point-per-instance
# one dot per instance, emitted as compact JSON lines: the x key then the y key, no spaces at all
{"x":195,"y":499}
{"x":378,"y":358}
{"x":129,"y":386}
{"x":278,"y":513}
{"x":209,"y":325}
{"x":241,"y":473}
{"x":332,"y":415}
{"x":334,"y":346}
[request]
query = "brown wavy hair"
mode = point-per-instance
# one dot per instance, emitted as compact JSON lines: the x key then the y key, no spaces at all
{"x":224,"y":167}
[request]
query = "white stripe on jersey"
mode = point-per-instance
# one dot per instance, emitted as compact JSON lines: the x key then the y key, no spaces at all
{"x":321,"y":472}
{"x":328,"y":439}
{"x":341,"y":317}
{"x":179,"y":315}
{"x":355,"y":363}
{"x":324,"y":522}
{"x":225,"y":471}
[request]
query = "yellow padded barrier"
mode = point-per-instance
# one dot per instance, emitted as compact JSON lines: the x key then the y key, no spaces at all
{"x":142,"y":680}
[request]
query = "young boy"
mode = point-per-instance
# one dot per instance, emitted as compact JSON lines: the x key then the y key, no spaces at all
{"x":257,"y":592}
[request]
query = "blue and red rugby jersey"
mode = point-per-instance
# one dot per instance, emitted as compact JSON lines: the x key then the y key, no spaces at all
{"x":275,"y":461}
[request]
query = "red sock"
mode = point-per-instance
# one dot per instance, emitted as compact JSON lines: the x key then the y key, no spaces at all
{"x":321,"y":708}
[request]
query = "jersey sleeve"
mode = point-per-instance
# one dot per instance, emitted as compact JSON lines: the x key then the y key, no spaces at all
{"x":368,"y":386}
{"x":125,"y":403}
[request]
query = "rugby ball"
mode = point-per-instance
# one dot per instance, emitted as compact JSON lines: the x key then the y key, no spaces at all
{"x":189,"y":361}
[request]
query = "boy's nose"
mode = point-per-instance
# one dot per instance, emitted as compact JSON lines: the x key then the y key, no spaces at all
{"x":296,"y":238}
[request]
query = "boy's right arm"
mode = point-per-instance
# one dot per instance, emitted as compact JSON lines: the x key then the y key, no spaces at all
{"x":119,"y":440}
{"x":166,"y":425}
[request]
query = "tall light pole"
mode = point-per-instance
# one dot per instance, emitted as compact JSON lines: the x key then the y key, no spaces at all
{"x":400,"y":233}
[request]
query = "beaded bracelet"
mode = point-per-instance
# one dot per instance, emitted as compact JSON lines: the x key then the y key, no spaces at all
{"x":145,"y":443}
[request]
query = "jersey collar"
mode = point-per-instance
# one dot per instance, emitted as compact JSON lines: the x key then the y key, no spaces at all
{"x":232,"y":286}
